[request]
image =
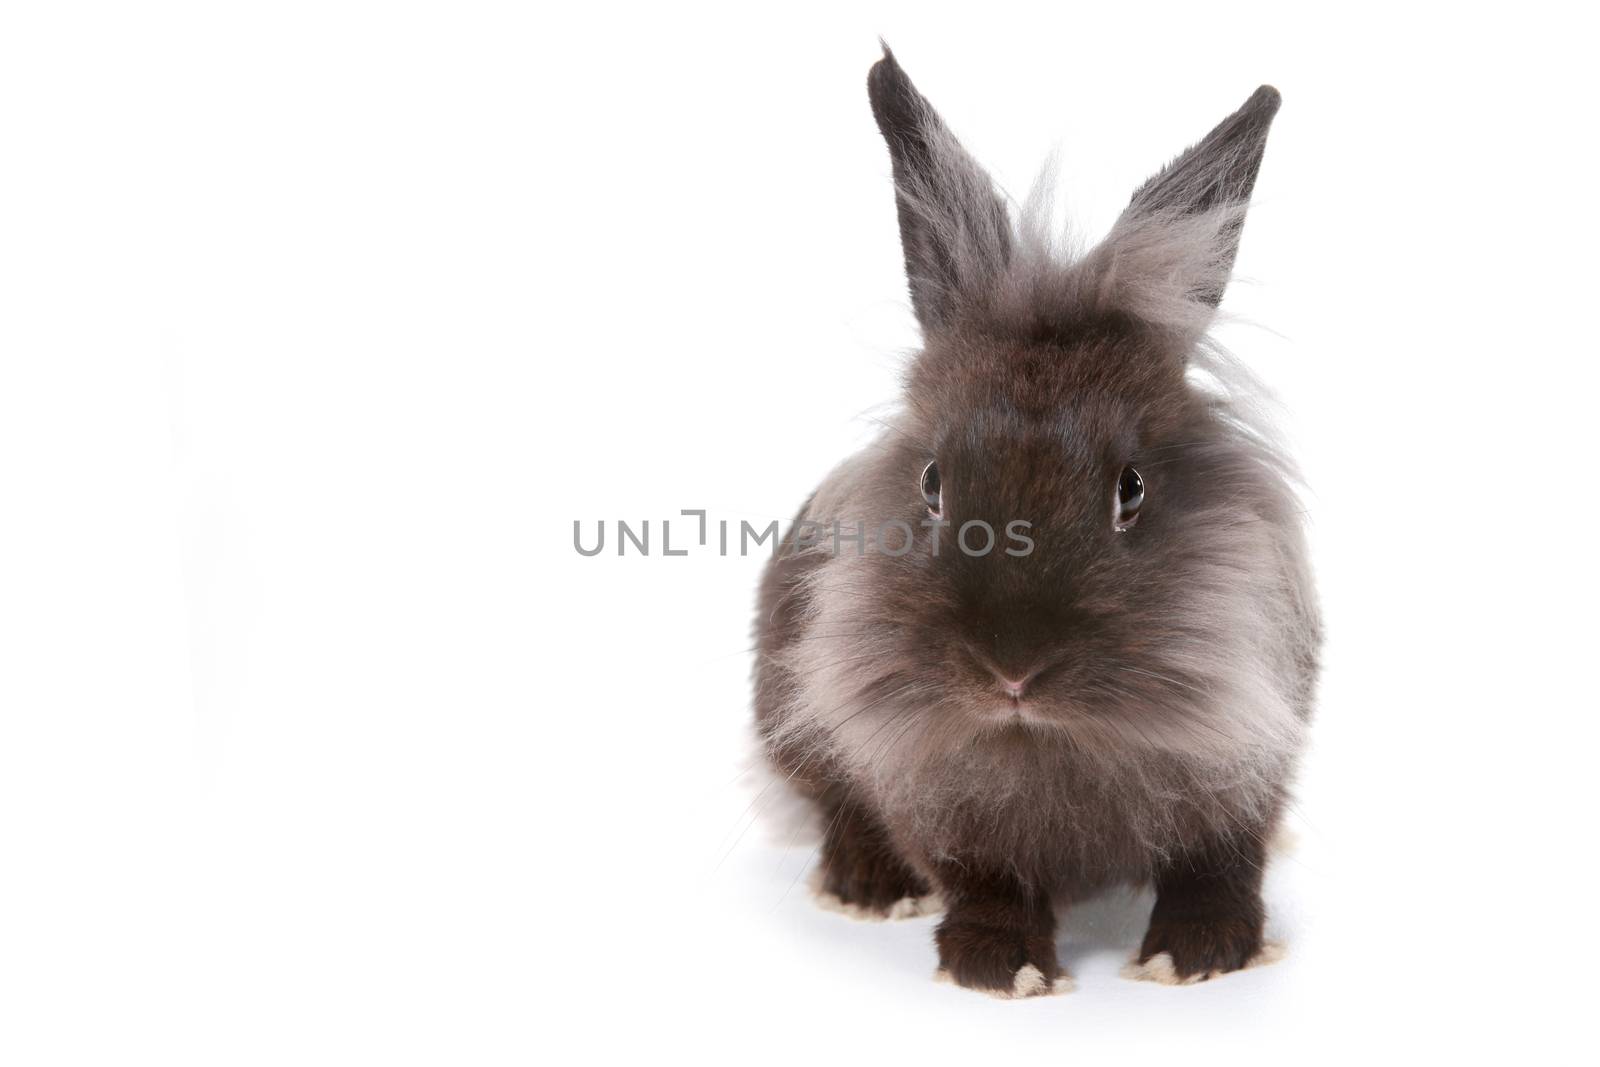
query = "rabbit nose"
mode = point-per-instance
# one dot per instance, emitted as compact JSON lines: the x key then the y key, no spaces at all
{"x":1013,"y":686}
{"x":1013,"y":673}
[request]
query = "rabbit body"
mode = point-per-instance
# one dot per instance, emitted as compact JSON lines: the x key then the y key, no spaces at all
{"x":1116,"y":689}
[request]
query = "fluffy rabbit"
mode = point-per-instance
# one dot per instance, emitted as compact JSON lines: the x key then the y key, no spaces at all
{"x":1115,"y":693}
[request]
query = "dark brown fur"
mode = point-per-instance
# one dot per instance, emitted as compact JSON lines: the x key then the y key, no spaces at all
{"x":1171,"y":667}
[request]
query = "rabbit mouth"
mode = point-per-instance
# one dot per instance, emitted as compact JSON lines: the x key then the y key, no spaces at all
{"x":1013,"y":711}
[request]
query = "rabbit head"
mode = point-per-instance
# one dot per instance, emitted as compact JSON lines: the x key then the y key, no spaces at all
{"x":1144,"y":585}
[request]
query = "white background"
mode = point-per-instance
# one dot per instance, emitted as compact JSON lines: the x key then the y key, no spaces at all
{"x":320,"y":324}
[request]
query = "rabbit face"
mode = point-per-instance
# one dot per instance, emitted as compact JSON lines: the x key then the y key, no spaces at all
{"x":1092,"y":626}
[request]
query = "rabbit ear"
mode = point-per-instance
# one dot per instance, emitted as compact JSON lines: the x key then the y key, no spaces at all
{"x":1206,"y":190}
{"x":953,"y":226}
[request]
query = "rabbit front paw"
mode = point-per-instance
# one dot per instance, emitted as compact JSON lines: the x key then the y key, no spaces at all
{"x":1199,"y":949}
{"x":1005,"y":962}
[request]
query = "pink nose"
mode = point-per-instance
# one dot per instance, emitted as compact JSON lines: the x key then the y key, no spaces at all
{"x":1013,"y":688}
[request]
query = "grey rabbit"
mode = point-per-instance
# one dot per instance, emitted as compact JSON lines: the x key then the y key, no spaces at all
{"x":1116,"y":691}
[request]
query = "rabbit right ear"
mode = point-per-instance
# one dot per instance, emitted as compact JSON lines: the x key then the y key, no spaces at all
{"x":953,"y":227}
{"x":1212,"y":180}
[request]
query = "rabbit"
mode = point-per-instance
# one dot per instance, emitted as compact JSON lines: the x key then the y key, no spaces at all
{"x":1118,"y":694}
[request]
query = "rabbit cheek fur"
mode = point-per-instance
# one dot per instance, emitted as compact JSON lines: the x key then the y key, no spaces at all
{"x":1169,"y":666}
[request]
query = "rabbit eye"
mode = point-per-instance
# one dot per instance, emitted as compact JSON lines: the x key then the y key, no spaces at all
{"x":930,"y":489}
{"x":1130,"y":496}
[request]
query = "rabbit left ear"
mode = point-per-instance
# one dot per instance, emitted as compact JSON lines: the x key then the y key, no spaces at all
{"x":953,"y":227}
{"x":1213,"y":178}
